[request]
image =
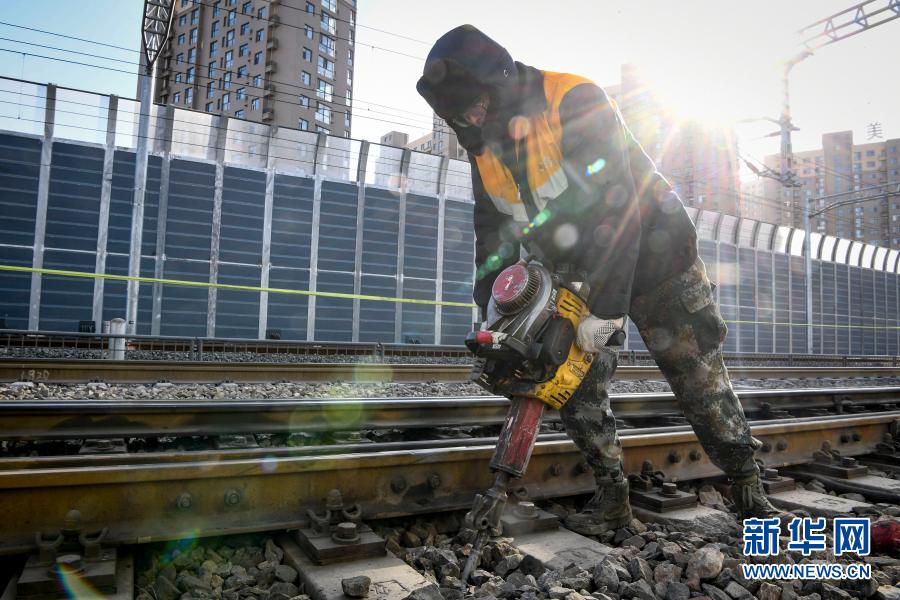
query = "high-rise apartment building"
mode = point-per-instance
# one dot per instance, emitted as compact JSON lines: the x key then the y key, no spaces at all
{"x":841,"y":172}
{"x":700,"y":161}
{"x":282,"y":62}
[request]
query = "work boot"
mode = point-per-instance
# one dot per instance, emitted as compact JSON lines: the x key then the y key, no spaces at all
{"x":750,"y":500}
{"x":607,"y":510}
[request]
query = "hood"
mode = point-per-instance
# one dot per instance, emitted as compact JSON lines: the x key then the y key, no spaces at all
{"x":463,"y":64}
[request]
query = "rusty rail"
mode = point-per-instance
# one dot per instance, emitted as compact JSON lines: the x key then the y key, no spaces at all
{"x":67,"y":419}
{"x":152,"y":371}
{"x":171,"y":499}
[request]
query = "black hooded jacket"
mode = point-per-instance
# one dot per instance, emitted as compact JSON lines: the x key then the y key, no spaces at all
{"x":623,"y":225}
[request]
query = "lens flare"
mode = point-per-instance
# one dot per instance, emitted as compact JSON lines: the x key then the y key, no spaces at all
{"x":175,"y":547}
{"x":595,"y":167}
{"x":73,"y":584}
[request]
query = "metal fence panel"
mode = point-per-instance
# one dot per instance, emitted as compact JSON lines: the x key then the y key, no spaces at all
{"x":292,"y":224}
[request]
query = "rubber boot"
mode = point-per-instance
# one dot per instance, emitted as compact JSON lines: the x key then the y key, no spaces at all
{"x":750,"y":500}
{"x":609,"y":509}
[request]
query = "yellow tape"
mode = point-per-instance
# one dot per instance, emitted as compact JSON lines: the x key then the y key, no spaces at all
{"x":226,"y":286}
{"x":249,"y":288}
{"x":813,"y":324}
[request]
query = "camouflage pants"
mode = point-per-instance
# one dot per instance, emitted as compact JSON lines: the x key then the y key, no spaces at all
{"x":683,"y":330}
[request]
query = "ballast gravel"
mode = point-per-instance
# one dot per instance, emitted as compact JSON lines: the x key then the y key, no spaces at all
{"x":27,"y":390}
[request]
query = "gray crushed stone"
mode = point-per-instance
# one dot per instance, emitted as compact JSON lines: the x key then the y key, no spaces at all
{"x":224,"y":391}
{"x":228,"y":568}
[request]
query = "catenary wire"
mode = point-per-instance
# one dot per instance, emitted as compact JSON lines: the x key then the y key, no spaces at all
{"x":52,"y":33}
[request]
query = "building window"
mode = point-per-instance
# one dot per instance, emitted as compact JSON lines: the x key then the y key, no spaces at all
{"x":326,"y":44}
{"x":216,"y":30}
{"x":179,"y":58}
{"x":303,"y":125}
{"x":226,"y":81}
{"x":195,"y":16}
{"x":347,"y":98}
{"x":870,"y":153}
{"x":310,"y":32}
{"x":347,"y":120}
{"x":257,"y":81}
{"x":870,"y":164}
{"x":261,"y":13}
{"x":209,"y":107}
{"x":192,"y":55}
{"x":350,"y":80}
{"x":305,"y":78}
{"x":182,"y":20}
{"x":229,"y":58}
{"x":211,"y":89}
{"x":244,"y":50}
{"x":260,"y":35}
{"x":211,"y":70}
{"x":176,"y":98}
{"x":239,"y":114}
{"x":184,"y":3}
{"x":328,"y":23}
{"x":181,"y":39}
{"x":194,"y":35}
{"x":254,"y":104}
{"x":326,"y":67}
{"x":178,"y":77}
{"x":213,"y":49}
{"x":217,"y":10}
{"x":350,"y":58}
{"x":189,"y":96}
{"x":229,"y":38}
{"x":247,"y":8}
{"x":226,"y":101}
{"x":242,"y":72}
{"x":230,"y":19}
{"x":190,"y":75}
{"x":245,"y":29}
{"x":258,"y":58}
{"x":240,"y":93}
{"x":307,"y":54}
{"x":325,"y":130}
{"x":324,"y":90}
{"x":311,"y":8}
{"x":330,"y":5}
{"x":304,"y":101}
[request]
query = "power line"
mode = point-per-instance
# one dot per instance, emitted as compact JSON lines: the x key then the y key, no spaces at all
{"x":329,"y":152}
{"x":322,"y":12}
{"x":199,"y":76}
{"x":279,"y":23}
{"x":198,"y":65}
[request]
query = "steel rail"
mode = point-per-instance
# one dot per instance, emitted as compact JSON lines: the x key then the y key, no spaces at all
{"x":163,"y":500}
{"x":50,"y":370}
{"x":78,"y":419}
{"x":199,"y":346}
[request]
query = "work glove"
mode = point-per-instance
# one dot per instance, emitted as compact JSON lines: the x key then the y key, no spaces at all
{"x":594,"y":333}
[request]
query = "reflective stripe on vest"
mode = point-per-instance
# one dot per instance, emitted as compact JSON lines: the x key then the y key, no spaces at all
{"x":543,"y":142}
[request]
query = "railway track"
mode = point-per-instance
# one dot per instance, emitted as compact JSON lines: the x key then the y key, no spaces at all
{"x":68,"y":419}
{"x":152,"y":371}
{"x":147,"y":496}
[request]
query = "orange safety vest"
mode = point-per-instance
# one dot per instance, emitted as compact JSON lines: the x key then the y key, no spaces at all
{"x":543,"y":143}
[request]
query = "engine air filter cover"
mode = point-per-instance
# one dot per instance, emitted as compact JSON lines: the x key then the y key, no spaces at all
{"x":514,"y":288}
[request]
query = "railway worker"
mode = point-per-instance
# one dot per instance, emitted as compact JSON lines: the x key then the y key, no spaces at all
{"x":595,"y":202}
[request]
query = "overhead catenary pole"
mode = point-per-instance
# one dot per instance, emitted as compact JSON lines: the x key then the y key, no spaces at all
{"x":157,"y":22}
{"x":790,"y":186}
{"x":839,"y":26}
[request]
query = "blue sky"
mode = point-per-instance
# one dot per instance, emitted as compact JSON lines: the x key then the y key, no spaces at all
{"x":713,"y":58}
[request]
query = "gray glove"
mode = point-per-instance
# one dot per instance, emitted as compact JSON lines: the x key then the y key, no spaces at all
{"x":594,"y":332}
